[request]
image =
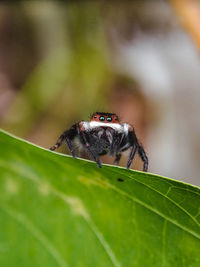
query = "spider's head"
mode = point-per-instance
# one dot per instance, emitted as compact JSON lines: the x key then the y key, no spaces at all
{"x":105,"y":117}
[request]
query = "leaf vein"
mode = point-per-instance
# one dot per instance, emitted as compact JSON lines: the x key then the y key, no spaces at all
{"x":36,"y":233}
{"x":171,"y":200}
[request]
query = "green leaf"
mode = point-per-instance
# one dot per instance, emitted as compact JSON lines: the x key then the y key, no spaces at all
{"x":60,"y":211}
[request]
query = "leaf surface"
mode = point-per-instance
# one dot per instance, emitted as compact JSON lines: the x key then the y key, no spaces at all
{"x":60,"y":211}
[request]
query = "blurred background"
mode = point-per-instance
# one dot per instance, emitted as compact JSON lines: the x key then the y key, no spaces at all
{"x":62,"y":61}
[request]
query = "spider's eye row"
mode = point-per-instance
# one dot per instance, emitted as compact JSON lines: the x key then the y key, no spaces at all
{"x":95,"y":116}
{"x":102,"y":118}
{"x":109,"y":119}
{"x":116,"y":118}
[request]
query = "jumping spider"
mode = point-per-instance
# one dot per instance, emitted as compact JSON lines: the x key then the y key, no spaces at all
{"x":104,"y":134}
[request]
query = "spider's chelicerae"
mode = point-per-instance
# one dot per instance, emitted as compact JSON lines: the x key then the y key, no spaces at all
{"x":104,"y":134}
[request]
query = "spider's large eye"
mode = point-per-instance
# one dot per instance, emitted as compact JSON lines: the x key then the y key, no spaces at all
{"x":109,"y":119}
{"x":102,"y":118}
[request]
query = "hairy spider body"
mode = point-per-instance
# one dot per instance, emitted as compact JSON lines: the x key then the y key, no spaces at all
{"x":104,"y":134}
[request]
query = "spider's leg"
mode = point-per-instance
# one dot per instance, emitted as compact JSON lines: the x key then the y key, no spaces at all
{"x":136,"y":146}
{"x":131,"y":156}
{"x":131,"y":139}
{"x":143,"y":156}
{"x":117,"y":159}
{"x":70,"y":146}
{"x":59,"y":141}
{"x":115,"y":144}
{"x":88,"y":148}
{"x":67,"y":136}
{"x":84,"y":138}
{"x":116,"y":148}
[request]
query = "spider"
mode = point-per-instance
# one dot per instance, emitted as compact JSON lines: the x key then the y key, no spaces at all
{"x":101,"y":135}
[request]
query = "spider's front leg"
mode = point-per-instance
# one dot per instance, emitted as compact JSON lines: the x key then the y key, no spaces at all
{"x":117,"y":158}
{"x":84,"y":137}
{"x":68,"y":137}
{"x":115,"y":148}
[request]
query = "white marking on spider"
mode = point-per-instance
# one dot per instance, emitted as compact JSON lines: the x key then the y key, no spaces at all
{"x":116,"y":126}
{"x":125,"y":128}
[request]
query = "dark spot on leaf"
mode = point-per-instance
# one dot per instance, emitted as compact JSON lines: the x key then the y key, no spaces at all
{"x":120,"y":180}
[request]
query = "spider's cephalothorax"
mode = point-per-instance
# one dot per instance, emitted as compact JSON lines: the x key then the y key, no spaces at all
{"x":104,"y":134}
